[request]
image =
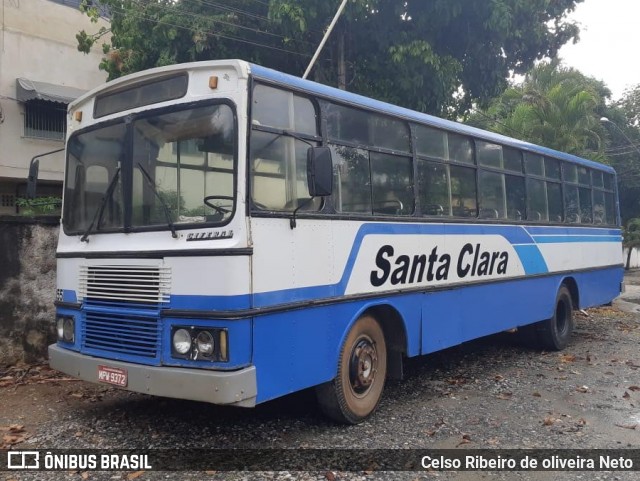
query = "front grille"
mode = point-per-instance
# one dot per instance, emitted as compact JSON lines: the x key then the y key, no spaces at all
{"x":122,"y":334}
{"x":125,"y":283}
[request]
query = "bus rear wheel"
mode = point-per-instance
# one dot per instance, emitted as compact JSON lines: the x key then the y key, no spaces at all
{"x":355,"y":392}
{"x":554,"y":333}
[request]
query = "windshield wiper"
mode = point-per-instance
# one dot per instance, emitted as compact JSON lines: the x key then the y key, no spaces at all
{"x":98,"y":215}
{"x":165,"y":208}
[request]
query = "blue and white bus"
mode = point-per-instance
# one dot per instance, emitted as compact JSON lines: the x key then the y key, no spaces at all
{"x":232,"y":234}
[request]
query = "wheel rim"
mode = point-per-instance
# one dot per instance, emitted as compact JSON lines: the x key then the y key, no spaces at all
{"x":363,"y":365}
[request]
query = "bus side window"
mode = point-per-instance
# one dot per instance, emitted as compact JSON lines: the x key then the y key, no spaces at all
{"x":554,"y":198}
{"x":537,"y":206}
{"x":610,"y":209}
{"x":351,"y":180}
{"x":277,"y":180}
{"x":585,"y":205}
{"x":492,"y":196}
{"x":392,"y":184}
{"x":433,"y":182}
{"x":355,"y":126}
{"x":278,"y":162}
{"x":267,"y":182}
{"x":572,"y":204}
{"x":514,"y":187}
{"x":599,"y":215}
{"x":463,"y":191}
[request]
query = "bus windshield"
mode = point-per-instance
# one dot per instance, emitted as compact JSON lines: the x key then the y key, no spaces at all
{"x":156,"y":171}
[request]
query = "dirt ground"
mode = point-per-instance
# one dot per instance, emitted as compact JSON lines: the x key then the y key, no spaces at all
{"x":490,"y":393}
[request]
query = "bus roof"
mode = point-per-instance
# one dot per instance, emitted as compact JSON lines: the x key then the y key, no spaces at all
{"x":343,"y":96}
{"x":244,"y":68}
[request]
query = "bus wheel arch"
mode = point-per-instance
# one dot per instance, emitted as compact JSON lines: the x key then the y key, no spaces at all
{"x":572,"y":285}
{"x":354,"y":394}
{"x":555,"y":333}
{"x":395,"y":334}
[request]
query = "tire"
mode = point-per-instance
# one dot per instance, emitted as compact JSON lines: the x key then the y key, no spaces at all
{"x":554,"y":334}
{"x":355,"y":392}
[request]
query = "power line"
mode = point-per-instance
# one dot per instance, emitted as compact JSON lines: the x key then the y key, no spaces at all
{"x":261,"y":2}
{"x":616,"y":154}
{"x":244,"y":12}
{"x":222,"y":22}
{"x":621,"y":152}
{"x":499,"y":123}
{"x":629,"y":146}
{"x":234,"y":10}
{"x":208,"y":32}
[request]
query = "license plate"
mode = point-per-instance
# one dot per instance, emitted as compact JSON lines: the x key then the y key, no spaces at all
{"x":112,"y":375}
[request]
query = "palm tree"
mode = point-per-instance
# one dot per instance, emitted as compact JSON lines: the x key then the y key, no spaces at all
{"x":556,"y":107}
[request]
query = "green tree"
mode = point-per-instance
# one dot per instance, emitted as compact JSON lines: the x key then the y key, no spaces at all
{"x":623,"y":150}
{"x":555,"y":106}
{"x":561,"y":108}
{"x":631,"y":238}
{"x":154,"y":33}
{"x":630,"y":105}
{"x":40,"y":206}
{"x":437,"y":56}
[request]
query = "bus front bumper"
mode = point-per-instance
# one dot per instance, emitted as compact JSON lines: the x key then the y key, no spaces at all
{"x":237,"y":388}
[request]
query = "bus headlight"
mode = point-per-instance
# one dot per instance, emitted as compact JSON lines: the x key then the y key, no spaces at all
{"x":205,"y":343}
{"x":195,"y":343}
{"x":60,"y":328}
{"x":181,"y":341}
{"x":66,"y":328}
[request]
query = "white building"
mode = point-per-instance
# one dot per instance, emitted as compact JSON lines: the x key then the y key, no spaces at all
{"x":41,"y":71}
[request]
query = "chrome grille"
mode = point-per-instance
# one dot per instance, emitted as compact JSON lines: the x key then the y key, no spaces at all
{"x":122,"y":334}
{"x":125,"y":283}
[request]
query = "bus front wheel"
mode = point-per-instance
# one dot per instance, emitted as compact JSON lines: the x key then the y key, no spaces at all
{"x":355,"y":392}
{"x":554,"y":333}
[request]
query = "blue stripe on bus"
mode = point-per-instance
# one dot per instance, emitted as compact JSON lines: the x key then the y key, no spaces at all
{"x":527,"y":251}
{"x":561,"y":239}
{"x":522,"y":239}
{"x":524,"y":244}
{"x":550,"y":230}
{"x":531,"y":258}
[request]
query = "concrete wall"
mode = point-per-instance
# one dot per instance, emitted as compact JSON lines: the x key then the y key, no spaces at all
{"x":27,"y":287}
{"x":37,"y":42}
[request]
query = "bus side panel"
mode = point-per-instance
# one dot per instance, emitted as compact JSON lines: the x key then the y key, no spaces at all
{"x":455,"y":316}
{"x":300,"y":348}
{"x":599,"y":287}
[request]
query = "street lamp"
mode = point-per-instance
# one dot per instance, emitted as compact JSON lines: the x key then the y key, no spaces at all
{"x":605,"y":120}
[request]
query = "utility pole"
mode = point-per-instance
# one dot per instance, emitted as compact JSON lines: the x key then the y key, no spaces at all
{"x":342,"y":69}
{"x":324,"y":40}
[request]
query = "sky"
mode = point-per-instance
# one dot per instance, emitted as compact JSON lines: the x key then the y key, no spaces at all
{"x":609,"y":39}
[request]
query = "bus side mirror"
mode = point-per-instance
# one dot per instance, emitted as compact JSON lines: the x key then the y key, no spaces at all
{"x":32,"y":180}
{"x":319,"y":171}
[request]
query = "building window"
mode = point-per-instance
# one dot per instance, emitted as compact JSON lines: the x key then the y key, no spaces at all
{"x":7,"y":200}
{"x":45,"y":120}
